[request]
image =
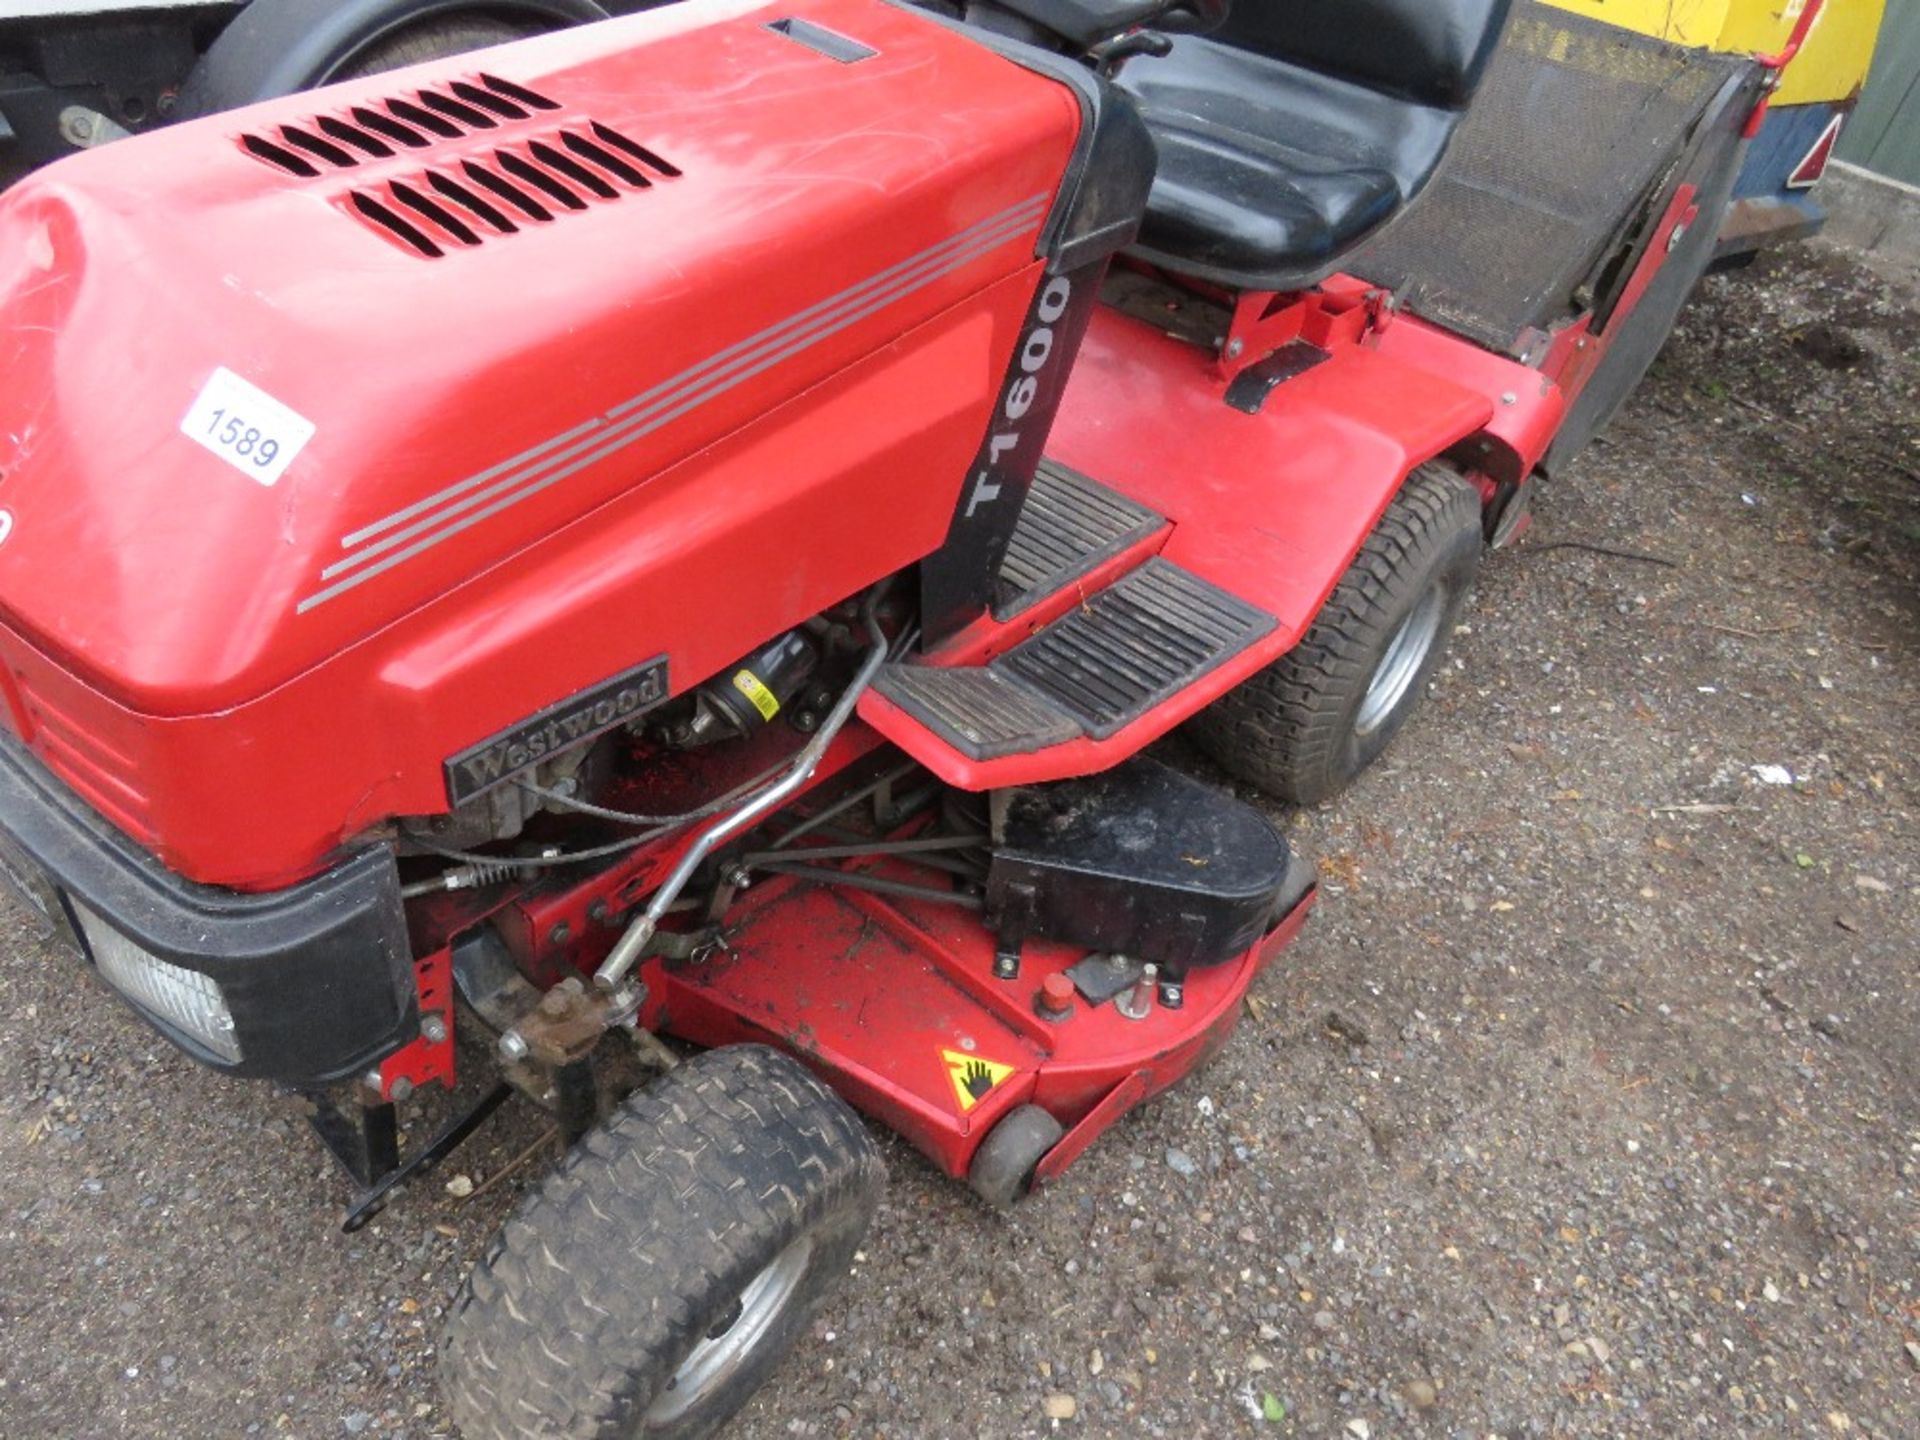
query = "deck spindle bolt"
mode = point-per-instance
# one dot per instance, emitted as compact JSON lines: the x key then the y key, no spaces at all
{"x":1137,"y":1003}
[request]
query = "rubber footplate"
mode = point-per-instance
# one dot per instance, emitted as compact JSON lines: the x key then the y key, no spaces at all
{"x":1069,"y":525}
{"x":980,"y":712}
{"x":1091,"y":673}
{"x":1135,"y":644}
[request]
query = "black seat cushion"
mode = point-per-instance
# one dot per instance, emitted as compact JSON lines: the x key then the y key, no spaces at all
{"x":1300,"y":128}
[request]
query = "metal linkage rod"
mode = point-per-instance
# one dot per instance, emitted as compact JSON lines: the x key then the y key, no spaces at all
{"x":633,"y":944}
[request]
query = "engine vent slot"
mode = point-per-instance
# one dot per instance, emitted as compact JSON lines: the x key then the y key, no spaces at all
{"x":323,"y":150}
{"x":379,"y":129}
{"x":362,"y":140}
{"x":435,"y":212}
{"x":408,"y":234}
{"x":822,"y":41}
{"x":278,"y":156}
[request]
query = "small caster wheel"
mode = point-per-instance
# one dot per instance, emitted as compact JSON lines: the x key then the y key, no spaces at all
{"x":1003,"y":1166}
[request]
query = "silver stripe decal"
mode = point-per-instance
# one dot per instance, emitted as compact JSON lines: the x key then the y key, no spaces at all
{"x":585,"y":427}
{"x":702,"y":389}
{"x":890,"y":278}
{"x":976,"y":241}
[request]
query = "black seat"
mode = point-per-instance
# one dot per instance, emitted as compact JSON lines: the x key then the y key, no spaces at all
{"x":1300,"y":127}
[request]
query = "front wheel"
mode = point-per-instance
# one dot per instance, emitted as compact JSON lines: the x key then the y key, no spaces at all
{"x":649,"y":1286}
{"x":1305,"y":727}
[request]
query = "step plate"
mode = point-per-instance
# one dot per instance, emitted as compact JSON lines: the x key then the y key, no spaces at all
{"x":1133,"y":645}
{"x":980,"y":712}
{"x":1091,"y":673}
{"x":1068,"y":527}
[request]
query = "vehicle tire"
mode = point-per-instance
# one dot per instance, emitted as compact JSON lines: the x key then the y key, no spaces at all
{"x":1305,"y":727}
{"x":280,"y":47}
{"x":430,"y":40}
{"x":1003,"y":1166}
{"x":650,"y":1285}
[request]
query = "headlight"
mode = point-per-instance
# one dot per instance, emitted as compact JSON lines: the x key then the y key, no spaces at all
{"x":182,"y":999}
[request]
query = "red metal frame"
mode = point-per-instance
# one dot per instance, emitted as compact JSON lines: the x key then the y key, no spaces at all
{"x":561,"y":928}
{"x":1777,"y":63}
{"x":424,"y":1061}
{"x":875,"y":994}
{"x":1337,"y":313}
{"x":1272,"y":507}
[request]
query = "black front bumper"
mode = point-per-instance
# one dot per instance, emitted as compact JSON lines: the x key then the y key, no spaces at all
{"x":318,"y":977}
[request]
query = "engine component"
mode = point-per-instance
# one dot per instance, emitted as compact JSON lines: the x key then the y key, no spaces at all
{"x":741,"y":700}
{"x":633,"y":943}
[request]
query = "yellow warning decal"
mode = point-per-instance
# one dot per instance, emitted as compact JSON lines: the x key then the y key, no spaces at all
{"x":764,"y":700}
{"x":973,"y":1078}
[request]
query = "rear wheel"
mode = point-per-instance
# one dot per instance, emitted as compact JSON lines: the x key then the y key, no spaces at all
{"x":655,"y":1281}
{"x":280,"y":47}
{"x":430,"y":40}
{"x":1304,"y":728}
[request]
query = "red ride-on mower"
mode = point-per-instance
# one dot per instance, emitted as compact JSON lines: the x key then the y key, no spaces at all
{"x":684,"y":528}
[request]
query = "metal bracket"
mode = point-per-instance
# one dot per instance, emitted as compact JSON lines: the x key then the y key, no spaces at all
{"x":1252,"y":386}
{"x":364,"y":1138}
{"x":429,"y":1056}
{"x":372,"y":1200}
{"x":367,"y":1144}
{"x":83,"y":128}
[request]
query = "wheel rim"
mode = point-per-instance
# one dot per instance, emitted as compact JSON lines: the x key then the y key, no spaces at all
{"x":742,"y":1326}
{"x":1406,"y":654}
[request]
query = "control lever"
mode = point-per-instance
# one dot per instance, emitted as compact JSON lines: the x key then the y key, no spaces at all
{"x":1109,"y":55}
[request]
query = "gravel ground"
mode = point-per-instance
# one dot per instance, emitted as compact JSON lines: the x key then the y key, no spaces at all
{"x":1586,"y":1106}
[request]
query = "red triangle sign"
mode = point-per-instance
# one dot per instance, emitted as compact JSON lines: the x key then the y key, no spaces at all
{"x":1809,"y":170}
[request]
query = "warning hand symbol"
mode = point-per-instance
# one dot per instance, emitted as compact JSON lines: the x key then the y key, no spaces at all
{"x":973,"y":1077}
{"x":977,"y":1078}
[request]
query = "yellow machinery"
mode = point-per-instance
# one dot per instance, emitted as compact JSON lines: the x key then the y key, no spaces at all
{"x":1817,"y":92}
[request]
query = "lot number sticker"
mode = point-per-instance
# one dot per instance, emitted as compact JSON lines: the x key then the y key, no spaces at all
{"x":246,"y":427}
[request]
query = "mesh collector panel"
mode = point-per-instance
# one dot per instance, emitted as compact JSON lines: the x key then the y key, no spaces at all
{"x":1574,"y":128}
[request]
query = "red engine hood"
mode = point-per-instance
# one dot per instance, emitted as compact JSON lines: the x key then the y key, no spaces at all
{"x":731,"y":217}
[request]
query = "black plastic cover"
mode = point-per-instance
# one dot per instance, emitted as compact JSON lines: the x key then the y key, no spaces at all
{"x":319,"y":976}
{"x":1142,"y":861}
